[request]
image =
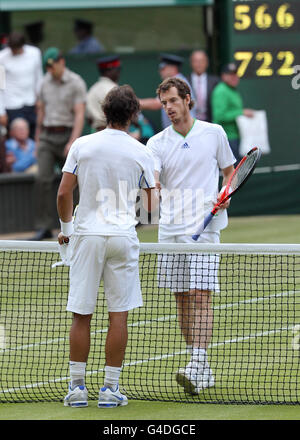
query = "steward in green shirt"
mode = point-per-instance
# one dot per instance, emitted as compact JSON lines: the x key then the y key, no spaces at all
{"x":227,"y":104}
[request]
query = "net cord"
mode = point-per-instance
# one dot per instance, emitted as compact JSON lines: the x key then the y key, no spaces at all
{"x":178,"y":248}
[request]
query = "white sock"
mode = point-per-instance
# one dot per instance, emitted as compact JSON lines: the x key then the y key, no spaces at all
{"x":77,"y":373}
{"x":199,"y":354}
{"x":112,"y":375}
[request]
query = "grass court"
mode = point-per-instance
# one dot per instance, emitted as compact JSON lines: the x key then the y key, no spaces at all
{"x":251,"y":351}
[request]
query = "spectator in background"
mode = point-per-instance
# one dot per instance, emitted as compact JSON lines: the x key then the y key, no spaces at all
{"x":202,"y":84}
{"x":60,"y":120}
{"x":110,"y":70}
{"x":169,"y":67}
{"x":23,"y":68}
{"x":88,"y":44}
{"x":227,"y":104}
{"x":141,"y":129}
{"x":20,"y":149}
{"x":4,"y":168}
{"x":35,"y":32}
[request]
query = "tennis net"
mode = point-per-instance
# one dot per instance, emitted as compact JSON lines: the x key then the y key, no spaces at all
{"x":254,"y":352}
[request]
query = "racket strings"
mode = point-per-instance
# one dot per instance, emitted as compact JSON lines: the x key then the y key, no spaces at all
{"x":243,"y":171}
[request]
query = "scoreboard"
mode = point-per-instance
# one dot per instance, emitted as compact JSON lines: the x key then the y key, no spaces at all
{"x":263,"y":38}
{"x":276,"y":19}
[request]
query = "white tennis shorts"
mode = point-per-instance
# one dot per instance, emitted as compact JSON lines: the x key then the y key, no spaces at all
{"x":184,"y":272}
{"x":114,"y":259}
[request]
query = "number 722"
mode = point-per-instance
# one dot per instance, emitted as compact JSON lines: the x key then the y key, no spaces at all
{"x":265,"y":63}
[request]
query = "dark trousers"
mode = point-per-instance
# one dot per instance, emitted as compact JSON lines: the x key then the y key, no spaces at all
{"x":27,"y":112}
{"x":234,"y":145}
{"x":50,"y":153}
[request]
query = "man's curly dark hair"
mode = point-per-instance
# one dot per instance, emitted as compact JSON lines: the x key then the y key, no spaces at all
{"x":121,"y":106}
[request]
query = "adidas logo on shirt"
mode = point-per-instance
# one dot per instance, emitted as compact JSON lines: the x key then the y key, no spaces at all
{"x":185,"y":145}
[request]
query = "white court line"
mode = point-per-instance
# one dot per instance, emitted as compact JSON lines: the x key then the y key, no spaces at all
{"x":160,"y":319}
{"x":154,"y":358}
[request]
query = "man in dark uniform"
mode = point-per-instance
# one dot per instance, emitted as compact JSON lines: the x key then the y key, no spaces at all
{"x":169,"y":67}
{"x":109,"y":68}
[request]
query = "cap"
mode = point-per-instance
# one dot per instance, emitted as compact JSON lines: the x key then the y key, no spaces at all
{"x":109,"y":62}
{"x":229,"y":68}
{"x":51,"y":55}
{"x":169,"y":59}
{"x":83,"y":24}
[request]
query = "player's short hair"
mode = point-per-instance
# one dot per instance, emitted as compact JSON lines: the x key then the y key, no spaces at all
{"x":121,"y":105}
{"x":181,"y":86}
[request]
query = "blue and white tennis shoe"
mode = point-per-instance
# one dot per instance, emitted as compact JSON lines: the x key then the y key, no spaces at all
{"x":76,"y":398}
{"x":111,"y":399}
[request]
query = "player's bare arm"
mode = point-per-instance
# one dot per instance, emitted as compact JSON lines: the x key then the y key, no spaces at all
{"x":150,"y":104}
{"x":150,"y":199}
{"x":227,"y":172}
{"x":65,"y":201}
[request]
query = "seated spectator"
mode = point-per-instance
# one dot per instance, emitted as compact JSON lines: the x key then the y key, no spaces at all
{"x":20,"y":149}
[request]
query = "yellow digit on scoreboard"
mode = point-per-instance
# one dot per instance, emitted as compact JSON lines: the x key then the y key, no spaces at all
{"x":245,"y":58}
{"x":284,"y":19}
{"x":263,"y":19}
{"x":288,"y":59}
{"x":264,"y":69}
{"x":242,"y":17}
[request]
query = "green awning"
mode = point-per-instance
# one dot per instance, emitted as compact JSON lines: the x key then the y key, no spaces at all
{"x":27,"y":5}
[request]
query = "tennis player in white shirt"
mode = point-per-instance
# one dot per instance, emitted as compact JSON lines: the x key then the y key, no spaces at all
{"x":109,"y":167}
{"x":188,"y":156}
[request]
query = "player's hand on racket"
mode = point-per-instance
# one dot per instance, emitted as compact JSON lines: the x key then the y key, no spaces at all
{"x":225,"y":204}
{"x":63,"y":239}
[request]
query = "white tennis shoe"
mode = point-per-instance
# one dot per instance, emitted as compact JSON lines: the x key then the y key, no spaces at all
{"x":194,"y":378}
{"x":76,"y":398}
{"x":111,"y":399}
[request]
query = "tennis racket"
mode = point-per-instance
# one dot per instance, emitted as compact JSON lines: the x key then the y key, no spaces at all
{"x":241,"y":174}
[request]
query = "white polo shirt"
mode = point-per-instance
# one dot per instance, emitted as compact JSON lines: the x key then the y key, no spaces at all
{"x":189,"y":174}
{"x":24,"y":75}
{"x":110,"y":166}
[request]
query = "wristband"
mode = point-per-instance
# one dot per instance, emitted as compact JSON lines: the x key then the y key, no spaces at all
{"x":67,"y":228}
{"x":222,"y":189}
